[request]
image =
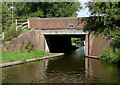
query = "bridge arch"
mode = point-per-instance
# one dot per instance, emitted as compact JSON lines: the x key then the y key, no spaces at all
{"x":53,"y":31}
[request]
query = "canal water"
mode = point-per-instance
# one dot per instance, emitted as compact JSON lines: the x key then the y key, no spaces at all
{"x":73,"y":67}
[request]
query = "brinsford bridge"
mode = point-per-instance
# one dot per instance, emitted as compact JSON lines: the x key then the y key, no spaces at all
{"x":53,"y":35}
{"x":56,"y":33}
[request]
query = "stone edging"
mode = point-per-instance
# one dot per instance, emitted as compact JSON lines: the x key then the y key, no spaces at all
{"x":94,"y":57}
{"x":28,"y":60}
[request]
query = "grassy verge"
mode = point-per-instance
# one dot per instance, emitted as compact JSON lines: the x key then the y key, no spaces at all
{"x":25,"y":30}
{"x":22,"y":55}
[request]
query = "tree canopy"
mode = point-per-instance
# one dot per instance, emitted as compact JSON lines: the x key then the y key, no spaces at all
{"x":46,"y":9}
{"x":6,"y":16}
{"x":106,"y":19}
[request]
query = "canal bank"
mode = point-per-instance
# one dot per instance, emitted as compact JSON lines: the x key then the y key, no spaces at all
{"x":29,"y":60}
{"x":72,"y":67}
{"x":93,"y":57}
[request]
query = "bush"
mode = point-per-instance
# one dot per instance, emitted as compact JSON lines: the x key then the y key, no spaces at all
{"x":10,"y":33}
{"x":110,"y":55}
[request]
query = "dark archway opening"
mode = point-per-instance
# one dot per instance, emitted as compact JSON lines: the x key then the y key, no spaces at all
{"x":63,"y":43}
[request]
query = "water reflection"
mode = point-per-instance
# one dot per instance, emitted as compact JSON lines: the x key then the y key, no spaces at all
{"x":24,"y":73}
{"x":70,"y":68}
{"x":101,"y":72}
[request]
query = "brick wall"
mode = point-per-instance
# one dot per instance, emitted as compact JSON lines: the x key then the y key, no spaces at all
{"x":100,"y":42}
{"x":55,"y":22}
{"x":97,"y":42}
{"x":21,"y":42}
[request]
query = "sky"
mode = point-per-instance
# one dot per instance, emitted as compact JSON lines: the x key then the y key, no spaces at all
{"x":84,"y":11}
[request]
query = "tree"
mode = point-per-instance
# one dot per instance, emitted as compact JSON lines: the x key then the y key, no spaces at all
{"x":46,"y":9}
{"x":106,"y":19}
{"x":6,"y":16}
{"x":63,"y":9}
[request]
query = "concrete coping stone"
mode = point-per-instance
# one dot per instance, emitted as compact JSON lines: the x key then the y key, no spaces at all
{"x":93,"y":57}
{"x":28,"y":60}
{"x":59,"y":18}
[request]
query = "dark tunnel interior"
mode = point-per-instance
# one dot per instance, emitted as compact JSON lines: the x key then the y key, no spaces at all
{"x":61,"y":43}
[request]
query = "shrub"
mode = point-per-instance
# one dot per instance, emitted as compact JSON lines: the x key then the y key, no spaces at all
{"x":11,"y":33}
{"x":110,"y":55}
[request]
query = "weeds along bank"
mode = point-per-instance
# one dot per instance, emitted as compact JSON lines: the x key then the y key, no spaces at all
{"x":111,"y":54}
{"x":103,"y":48}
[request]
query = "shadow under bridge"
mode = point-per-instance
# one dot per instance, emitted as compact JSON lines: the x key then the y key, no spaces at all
{"x":60,"y":43}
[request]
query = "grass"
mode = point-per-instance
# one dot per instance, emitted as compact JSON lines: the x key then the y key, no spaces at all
{"x":73,"y":44}
{"x":22,"y":55}
{"x":25,"y":30}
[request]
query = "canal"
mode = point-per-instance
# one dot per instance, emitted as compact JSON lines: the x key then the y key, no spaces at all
{"x":73,"y":67}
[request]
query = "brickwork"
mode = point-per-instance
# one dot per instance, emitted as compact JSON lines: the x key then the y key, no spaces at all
{"x":100,"y":41}
{"x":96,"y":42}
{"x":86,"y":47}
{"x":21,"y":42}
{"x":91,"y":36}
{"x":45,"y":23}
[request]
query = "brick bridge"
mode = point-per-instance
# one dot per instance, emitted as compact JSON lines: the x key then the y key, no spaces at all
{"x":55,"y":33}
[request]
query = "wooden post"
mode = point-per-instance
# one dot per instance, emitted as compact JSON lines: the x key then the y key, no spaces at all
{"x":28,"y":24}
{"x":16,"y":24}
{"x":3,"y":35}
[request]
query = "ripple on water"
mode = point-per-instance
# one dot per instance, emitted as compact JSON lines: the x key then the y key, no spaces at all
{"x":70,"y":68}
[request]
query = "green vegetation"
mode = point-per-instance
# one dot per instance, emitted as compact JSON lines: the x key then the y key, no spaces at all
{"x":22,"y":56}
{"x":73,"y":41}
{"x":73,"y":44}
{"x":12,"y":33}
{"x":111,"y":55}
{"x":6,"y":17}
{"x":77,"y":41}
{"x":45,"y":9}
{"x":106,"y":19}
{"x":25,"y":30}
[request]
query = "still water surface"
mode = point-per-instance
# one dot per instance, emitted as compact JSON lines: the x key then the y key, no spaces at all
{"x":73,"y":67}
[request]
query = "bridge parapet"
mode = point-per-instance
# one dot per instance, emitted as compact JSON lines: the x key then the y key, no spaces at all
{"x":50,"y":23}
